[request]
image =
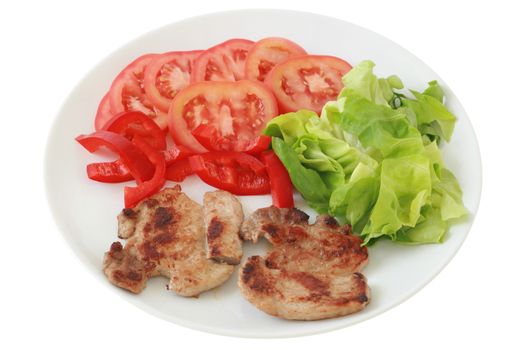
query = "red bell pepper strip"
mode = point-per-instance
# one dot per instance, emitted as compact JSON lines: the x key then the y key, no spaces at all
{"x":281,"y":185}
{"x":179,"y":170}
{"x":130,"y":155}
{"x":111,"y":172}
{"x":133,"y":123}
{"x":133,"y":195}
{"x":235,"y":172}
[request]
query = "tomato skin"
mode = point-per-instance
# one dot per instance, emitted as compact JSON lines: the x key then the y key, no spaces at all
{"x":166,"y":74}
{"x":307,"y":82}
{"x":268,"y":52}
{"x":280,"y":182}
{"x":136,"y":124}
{"x":103,"y":112}
{"x":235,"y":172}
{"x":222,"y":62}
{"x":237,"y":110}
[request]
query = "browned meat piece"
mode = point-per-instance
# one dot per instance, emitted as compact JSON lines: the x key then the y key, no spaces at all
{"x":311,"y":273}
{"x":166,"y":236}
{"x":223,"y":218}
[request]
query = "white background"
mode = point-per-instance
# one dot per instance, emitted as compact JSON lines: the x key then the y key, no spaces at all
{"x":48,"y":299}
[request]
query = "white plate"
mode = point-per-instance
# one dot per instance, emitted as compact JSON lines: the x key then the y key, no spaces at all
{"x":85,"y":211}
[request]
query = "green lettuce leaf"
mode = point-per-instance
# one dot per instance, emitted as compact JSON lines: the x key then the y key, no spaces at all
{"x":372,"y":159}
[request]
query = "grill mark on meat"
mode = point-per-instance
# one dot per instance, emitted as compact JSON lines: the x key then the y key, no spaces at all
{"x":295,"y":233}
{"x":162,"y":217}
{"x":129,"y":213}
{"x":215,"y":229}
{"x":256,"y":279}
{"x":215,"y":251}
{"x":312,"y":283}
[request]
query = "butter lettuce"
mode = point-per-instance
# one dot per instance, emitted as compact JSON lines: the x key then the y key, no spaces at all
{"x":372,"y":158}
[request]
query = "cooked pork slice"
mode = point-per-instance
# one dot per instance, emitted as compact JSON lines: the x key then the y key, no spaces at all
{"x":223,"y":217}
{"x":166,"y":236}
{"x":312,"y":271}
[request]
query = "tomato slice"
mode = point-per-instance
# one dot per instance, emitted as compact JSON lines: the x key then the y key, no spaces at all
{"x":133,"y":195}
{"x":109,"y":172}
{"x":132,"y":124}
{"x":238,"y":111}
{"x":235,"y":172}
{"x":223,"y":62}
{"x":259,"y":144}
{"x":103,"y":112}
{"x":132,"y":157}
{"x":127,"y":91}
{"x":268,"y":52}
{"x":280,"y":182}
{"x":179,"y":170}
{"x":166,"y":75}
{"x":307,"y":82}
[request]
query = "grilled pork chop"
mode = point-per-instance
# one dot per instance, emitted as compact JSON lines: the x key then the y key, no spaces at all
{"x":166,"y":236}
{"x":311,"y":273}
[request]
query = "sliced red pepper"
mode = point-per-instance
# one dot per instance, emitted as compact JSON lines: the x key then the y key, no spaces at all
{"x":133,"y":195}
{"x":179,"y":170}
{"x":130,"y":155}
{"x":110,"y":172}
{"x":133,"y":123}
{"x":235,"y":172}
{"x":281,"y":185}
{"x":176,"y":152}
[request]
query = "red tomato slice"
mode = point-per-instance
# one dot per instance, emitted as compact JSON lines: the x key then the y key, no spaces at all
{"x":238,"y":111}
{"x":268,"y":52}
{"x":166,"y":75}
{"x":103,"y":113}
{"x":223,"y":62}
{"x":127,"y":91}
{"x":237,"y":173}
{"x":307,"y":82}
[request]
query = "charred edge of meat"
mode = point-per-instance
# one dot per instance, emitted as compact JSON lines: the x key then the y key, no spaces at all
{"x":129,"y":213}
{"x":297,"y":216}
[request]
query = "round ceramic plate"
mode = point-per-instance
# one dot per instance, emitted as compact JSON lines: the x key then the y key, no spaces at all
{"x":85,"y":211}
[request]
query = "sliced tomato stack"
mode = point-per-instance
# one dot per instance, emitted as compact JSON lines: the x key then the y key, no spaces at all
{"x":215,"y":104}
